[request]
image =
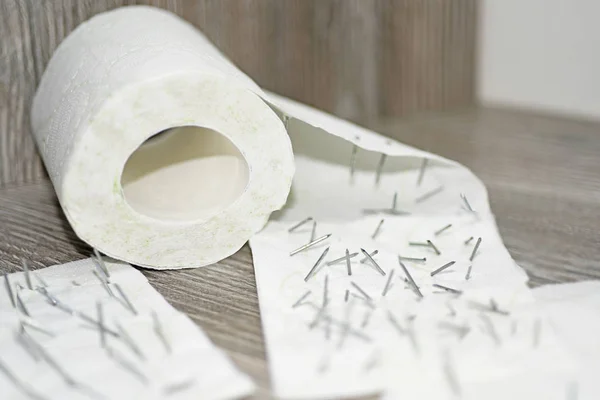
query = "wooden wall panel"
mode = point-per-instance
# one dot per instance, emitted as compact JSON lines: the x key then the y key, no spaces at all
{"x":427,"y":55}
{"x":359,"y":59}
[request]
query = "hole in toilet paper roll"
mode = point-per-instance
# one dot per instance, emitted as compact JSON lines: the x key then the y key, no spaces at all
{"x":184,"y":173}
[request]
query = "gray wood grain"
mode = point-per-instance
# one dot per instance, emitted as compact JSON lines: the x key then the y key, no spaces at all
{"x":358,"y":59}
{"x":542,"y":176}
{"x":428,"y":62}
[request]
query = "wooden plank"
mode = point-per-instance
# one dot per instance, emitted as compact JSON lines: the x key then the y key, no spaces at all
{"x":18,"y":158}
{"x":355,"y":58}
{"x":427,"y":55}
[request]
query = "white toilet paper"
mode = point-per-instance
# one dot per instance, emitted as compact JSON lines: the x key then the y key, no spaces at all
{"x":150,"y":350}
{"x":188,"y":197}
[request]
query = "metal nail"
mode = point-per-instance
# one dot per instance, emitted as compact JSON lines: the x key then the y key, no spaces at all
{"x":374,"y":235}
{"x":447,"y":289}
{"x":327,"y":329}
{"x":434,"y":247}
{"x":353,"y":160}
{"x":443,"y":267}
{"x":21,"y":306}
{"x":429,"y":194}
{"x":410,"y":279}
{"x":125,"y":299}
{"x":346,"y":296}
{"x":466,"y":205}
{"x":415,"y":259}
{"x":475,"y":249}
{"x":299,"y":224}
{"x":325,"y":291}
{"x":104,"y":283}
{"x":388,"y":283}
{"x":429,"y":244}
{"x":491,"y":329}
{"x":178,"y":387}
{"x":395,"y":323}
{"x":101,"y":324}
{"x":314,"y":231}
{"x":361,"y":291}
{"x":318,"y":316}
{"x":101,"y":264}
{"x":411,"y":336}
{"x":372,"y":362}
{"x":366,"y":259}
{"x":450,"y":374}
{"x":452,"y":310}
{"x":314,"y":268}
{"x":380,"y":168}
{"x":306,"y":246}
{"x":348,"y":266}
{"x":23,"y":339}
{"x":91,"y":320}
{"x":381,"y":271}
{"x":366,"y":302}
{"x":323,"y":366}
{"x":26,"y":273}
{"x":51,"y":299}
{"x":19,"y":384}
{"x":128,"y":340}
{"x":345,"y":325}
{"x":366,"y":319}
{"x":469,"y":240}
{"x":9,"y":291}
{"x":301,"y":299}
{"x":50,"y":361}
{"x":127,"y":365}
{"x":422,"y":171}
{"x":342,"y":258}
{"x":461,"y":330}
{"x":31,"y":323}
{"x":39,"y":278}
{"x":468,"y":275}
{"x":442,"y":230}
{"x":158,"y":329}
{"x":492,"y":307}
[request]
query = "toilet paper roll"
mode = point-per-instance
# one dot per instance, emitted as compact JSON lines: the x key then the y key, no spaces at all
{"x":161,"y":152}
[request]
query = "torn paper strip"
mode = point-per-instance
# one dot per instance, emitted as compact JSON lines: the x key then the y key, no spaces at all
{"x":98,"y":330}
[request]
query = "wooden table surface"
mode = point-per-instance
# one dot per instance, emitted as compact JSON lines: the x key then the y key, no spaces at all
{"x":543,"y":175}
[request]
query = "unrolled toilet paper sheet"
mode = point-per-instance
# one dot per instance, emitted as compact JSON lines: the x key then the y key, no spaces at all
{"x":573,"y":311}
{"x":151,"y":351}
{"x":341,"y":333}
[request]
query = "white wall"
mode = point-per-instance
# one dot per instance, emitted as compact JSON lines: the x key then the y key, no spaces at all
{"x":541,"y":54}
